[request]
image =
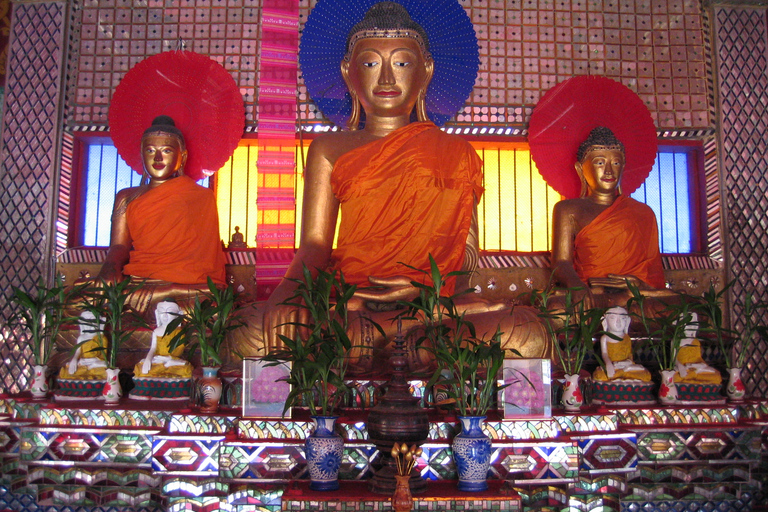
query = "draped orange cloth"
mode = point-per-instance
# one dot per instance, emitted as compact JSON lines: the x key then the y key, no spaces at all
{"x":623,"y":239}
{"x":175,"y":232}
{"x":403,"y":197}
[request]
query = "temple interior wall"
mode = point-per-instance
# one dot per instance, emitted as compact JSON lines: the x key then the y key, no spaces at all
{"x":700,"y":68}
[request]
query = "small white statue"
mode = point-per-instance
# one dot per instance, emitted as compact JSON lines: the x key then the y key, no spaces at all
{"x":161,"y":361}
{"x":617,"y":353}
{"x":689,"y":363}
{"x":89,"y":359}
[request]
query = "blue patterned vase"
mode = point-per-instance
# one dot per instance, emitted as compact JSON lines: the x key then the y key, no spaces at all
{"x":324,"y":449}
{"x":472,"y":454}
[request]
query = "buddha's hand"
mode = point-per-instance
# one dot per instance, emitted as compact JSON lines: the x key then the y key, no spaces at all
{"x":283,"y":319}
{"x":388,"y":289}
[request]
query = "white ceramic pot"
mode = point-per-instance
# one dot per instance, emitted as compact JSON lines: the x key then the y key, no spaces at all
{"x":39,"y":386}
{"x":112,"y":391}
{"x":572,"y":399}
{"x":668,"y":388}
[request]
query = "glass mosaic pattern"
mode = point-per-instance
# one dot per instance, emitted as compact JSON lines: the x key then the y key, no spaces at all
{"x":655,"y":48}
{"x":742,"y":57}
{"x":30,"y":137}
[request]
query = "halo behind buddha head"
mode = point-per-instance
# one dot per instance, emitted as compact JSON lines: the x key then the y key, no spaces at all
{"x":450,"y":39}
{"x":564,"y":118}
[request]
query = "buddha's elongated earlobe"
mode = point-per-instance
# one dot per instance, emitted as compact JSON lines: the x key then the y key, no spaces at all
{"x":421,"y":101}
{"x":421,"y":106}
{"x":584,"y":186}
{"x":353,"y":123}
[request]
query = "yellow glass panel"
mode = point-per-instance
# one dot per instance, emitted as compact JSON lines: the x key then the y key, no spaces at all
{"x":236,"y":192}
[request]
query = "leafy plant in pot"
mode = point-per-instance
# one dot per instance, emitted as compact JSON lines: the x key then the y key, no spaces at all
{"x":664,"y":340}
{"x":205,"y":327}
{"x":467,"y":369}
{"x":108,"y":301}
{"x":734,"y":354}
{"x":317,"y":358}
{"x":573,"y":328}
{"x":41,"y":314}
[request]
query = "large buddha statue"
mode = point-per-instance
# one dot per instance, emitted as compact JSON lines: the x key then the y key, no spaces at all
{"x":603,"y":238}
{"x":165,"y":232}
{"x":404,"y":190}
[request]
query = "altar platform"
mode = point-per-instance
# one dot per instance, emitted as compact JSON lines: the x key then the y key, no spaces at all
{"x":158,"y":456}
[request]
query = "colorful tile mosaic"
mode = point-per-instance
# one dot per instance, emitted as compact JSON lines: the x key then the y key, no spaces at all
{"x":187,"y":454}
{"x":665,"y":416}
{"x":98,"y":417}
{"x":201,"y":424}
{"x":46,"y":445}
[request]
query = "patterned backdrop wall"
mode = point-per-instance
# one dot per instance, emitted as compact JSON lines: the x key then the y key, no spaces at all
{"x":31,"y":133}
{"x":743,"y":79}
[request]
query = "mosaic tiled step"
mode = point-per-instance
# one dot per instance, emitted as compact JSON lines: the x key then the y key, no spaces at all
{"x":93,"y":413}
{"x":54,"y":445}
{"x":74,"y":495}
{"x":712,"y":444}
{"x":707,"y":473}
{"x":92,"y":476}
{"x":175,"y":486}
{"x":439,"y":496}
{"x":699,"y":492}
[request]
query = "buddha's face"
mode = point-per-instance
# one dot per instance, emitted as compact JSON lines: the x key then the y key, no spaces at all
{"x":602,"y":168}
{"x":165,"y":313}
{"x":163,"y":155}
{"x":615,"y":322}
{"x":387,"y":75}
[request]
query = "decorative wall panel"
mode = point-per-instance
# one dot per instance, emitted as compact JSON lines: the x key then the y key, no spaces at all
{"x":27,"y":176}
{"x":743,"y":86}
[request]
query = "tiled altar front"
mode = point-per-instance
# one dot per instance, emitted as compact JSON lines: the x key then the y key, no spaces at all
{"x":170,"y":458}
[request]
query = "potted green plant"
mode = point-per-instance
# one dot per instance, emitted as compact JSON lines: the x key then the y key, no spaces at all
{"x":41,"y":314}
{"x":205,"y":327}
{"x":467,"y":369}
{"x":664,"y":335}
{"x":108,"y":302}
{"x":317,"y":359}
{"x":573,"y":328}
{"x":734,"y":354}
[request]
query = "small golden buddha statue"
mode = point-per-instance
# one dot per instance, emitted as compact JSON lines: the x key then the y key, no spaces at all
{"x":238,"y":240}
{"x":404,"y":189}
{"x":89,"y":360}
{"x":160,"y":361}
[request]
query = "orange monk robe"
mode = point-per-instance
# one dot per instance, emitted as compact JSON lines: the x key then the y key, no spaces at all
{"x":175,"y":232}
{"x":623,"y":239}
{"x":403,"y":197}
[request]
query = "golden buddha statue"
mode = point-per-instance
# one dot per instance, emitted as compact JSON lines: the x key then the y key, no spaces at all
{"x":690,"y":367}
{"x":604,"y":238}
{"x":89,"y":359}
{"x":616,"y":350}
{"x":160,"y":361}
{"x":404,"y":190}
{"x":165,"y":232}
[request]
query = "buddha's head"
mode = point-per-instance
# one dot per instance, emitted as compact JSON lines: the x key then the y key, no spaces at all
{"x":163,"y":150}
{"x":387,"y":67}
{"x":165,"y":312}
{"x":88,"y":323}
{"x":600,"y":162}
{"x":616,"y":320}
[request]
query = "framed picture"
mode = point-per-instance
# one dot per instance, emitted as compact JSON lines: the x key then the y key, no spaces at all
{"x":529,"y":389}
{"x":265,"y":389}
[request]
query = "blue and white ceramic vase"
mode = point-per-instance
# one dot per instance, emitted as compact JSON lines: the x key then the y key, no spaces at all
{"x":472,"y":454}
{"x":324,"y":449}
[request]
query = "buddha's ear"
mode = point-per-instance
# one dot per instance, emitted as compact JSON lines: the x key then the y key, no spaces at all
{"x":627,"y":321}
{"x":345,"y":73}
{"x":429,"y":69}
{"x":580,"y":172}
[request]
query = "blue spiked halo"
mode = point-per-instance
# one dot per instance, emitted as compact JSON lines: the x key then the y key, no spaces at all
{"x":452,"y":43}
